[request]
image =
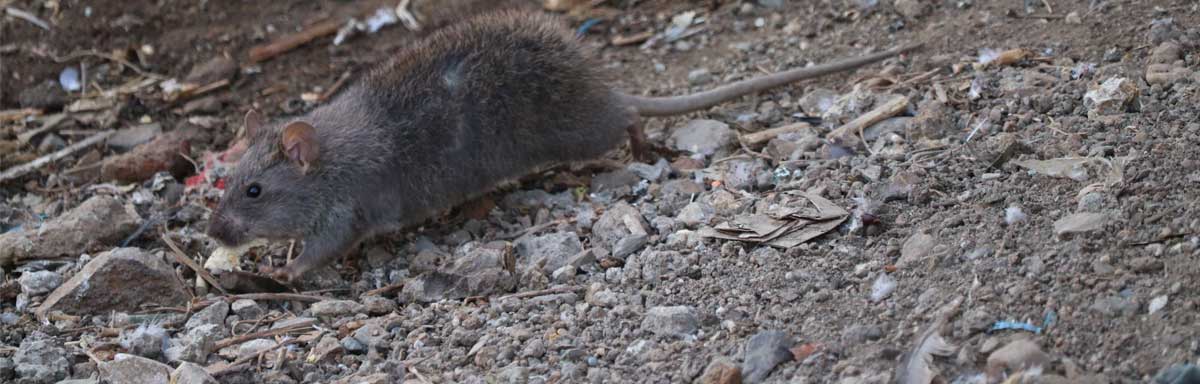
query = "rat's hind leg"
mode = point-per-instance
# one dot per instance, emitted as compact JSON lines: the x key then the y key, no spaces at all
{"x":637,"y":137}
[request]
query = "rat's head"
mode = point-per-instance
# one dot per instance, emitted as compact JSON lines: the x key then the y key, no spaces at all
{"x":274,"y":190}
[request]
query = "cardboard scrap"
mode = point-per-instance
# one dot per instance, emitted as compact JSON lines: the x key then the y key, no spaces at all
{"x":789,"y":224}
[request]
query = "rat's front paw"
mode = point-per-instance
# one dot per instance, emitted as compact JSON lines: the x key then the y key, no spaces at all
{"x":285,"y":274}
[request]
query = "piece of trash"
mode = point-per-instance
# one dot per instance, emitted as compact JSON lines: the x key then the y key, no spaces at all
{"x":1013,"y":215}
{"x":800,"y":217}
{"x":382,"y":17}
{"x":583,"y":28}
{"x":1015,"y":325}
{"x":882,"y":287}
{"x":69,"y":79}
{"x":679,"y":25}
{"x":917,"y":367}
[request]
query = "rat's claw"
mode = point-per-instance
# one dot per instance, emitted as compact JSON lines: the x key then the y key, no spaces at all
{"x":282,"y":274}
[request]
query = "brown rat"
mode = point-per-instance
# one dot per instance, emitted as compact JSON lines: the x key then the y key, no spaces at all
{"x":446,"y":120}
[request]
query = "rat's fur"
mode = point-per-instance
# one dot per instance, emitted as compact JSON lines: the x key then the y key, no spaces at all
{"x":470,"y":107}
{"x":473,"y":105}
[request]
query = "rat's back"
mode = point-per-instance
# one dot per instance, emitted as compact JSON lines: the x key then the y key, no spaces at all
{"x":481,"y":102}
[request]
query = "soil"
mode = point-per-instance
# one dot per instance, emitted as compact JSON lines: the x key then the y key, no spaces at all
{"x":1074,"y":286}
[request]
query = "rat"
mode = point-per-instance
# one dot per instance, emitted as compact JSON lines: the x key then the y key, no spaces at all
{"x":445,"y":120}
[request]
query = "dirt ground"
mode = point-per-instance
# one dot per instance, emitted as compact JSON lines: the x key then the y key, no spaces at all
{"x":1105,"y":265}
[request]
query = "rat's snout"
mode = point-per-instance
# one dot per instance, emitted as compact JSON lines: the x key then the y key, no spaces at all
{"x":225,"y":229}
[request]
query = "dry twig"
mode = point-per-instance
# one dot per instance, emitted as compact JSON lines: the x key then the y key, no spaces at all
{"x":21,"y":170}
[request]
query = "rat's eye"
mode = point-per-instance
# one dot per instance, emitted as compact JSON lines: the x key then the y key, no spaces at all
{"x":253,"y":191}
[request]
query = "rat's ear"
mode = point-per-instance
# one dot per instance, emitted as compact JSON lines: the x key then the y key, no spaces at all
{"x":299,"y":144}
{"x":253,"y":123}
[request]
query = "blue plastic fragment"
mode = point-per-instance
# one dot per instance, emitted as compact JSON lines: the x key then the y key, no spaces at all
{"x":1017,"y":325}
{"x":1050,"y":319}
{"x":586,"y":26}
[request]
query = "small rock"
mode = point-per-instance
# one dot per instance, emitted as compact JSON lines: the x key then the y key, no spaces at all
{"x":676,"y":321}
{"x":378,"y":305}
{"x":37,"y":283}
{"x":196,"y":344}
{"x":911,"y":8}
{"x":126,"y":139}
{"x":917,"y":249}
{"x":213,"y":314}
{"x":247,"y":309}
{"x":336,"y":308}
{"x":41,"y":359}
{"x":856,"y":334}
{"x":99,"y":222}
{"x":721,"y":371}
{"x":1016,"y":356}
{"x":655,"y":172}
{"x":552,"y":250}
{"x":1113,"y":96}
{"x":817,"y":101}
{"x":703,"y":136}
{"x":764,"y":351}
{"x":1162,"y":30}
{"x":1081,"y":222}
{"x":50,"y":143}
{"x":1178,"y":374}
{"x":253,"y":347}
{"x":1145,"y":264}
{"x":435,"y":286}
{"x":619,"y":182}
{"x":117,"y":280}
{"x":512,"y":374}
{"x":699,"y":76}
{"x":628,"y":245}
{"x":1157,"y":304}
{"x":372,"y":334}
{"x":146,"y":340}
{"x":1115,"y":306}
{"x":1073,"y":18}
{"x":188,"y":373}
{"x":47,"y":95}
{"x":695,"y":214}
{"x":130,"y":369}
{"x":217,"y":68}
{"x":620,"y":222}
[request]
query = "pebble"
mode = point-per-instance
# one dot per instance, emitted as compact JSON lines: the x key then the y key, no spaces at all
{"x":675,"y":321}
{"x":695,"y":214}
{"x":555,"y":249}
{"x":699,"y":76}
{"x":336,"y":308}
{"x":39,"y":282}
{"x":721,"y":371}
{"x":253,"y":347}
{"x":378,"y":305}
{"x":41,"y":359}
{"x":1115,"y":306}
{"x":196,"y":344}
{"x":188,"y":373}
{"x":118,"y":280}
{"x":213,"y":314}
{"x":147,"y":340}
{"x":1081,"y":222}
{"x":1157,"y":304}
{"x":764,"y":351}
{"x":705,"y":137}
{"x":247,"y":309}
{"x":130,"y":369}
{"x":917,"y":249}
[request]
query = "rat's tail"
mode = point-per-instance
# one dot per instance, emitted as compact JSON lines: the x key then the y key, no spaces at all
{"x":674,"y":105}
